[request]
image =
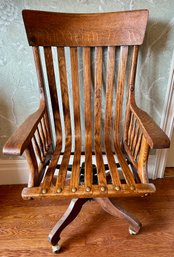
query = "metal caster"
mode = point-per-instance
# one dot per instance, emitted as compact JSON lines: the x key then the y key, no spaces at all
{"x":56,"y":248}
{"x":132,"y":232}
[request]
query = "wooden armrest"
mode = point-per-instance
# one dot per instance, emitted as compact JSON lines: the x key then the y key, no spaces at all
{"x":154,"y":135}
{"x":20,"y":139}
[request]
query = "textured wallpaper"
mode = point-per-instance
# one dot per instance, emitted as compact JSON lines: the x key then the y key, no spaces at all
{"x":18,"y":85}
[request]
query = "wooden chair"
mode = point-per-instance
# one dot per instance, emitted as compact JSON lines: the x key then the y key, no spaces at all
{"x":125,"y":146}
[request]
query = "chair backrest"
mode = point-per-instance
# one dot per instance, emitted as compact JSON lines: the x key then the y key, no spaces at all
{"x":118,"y":34}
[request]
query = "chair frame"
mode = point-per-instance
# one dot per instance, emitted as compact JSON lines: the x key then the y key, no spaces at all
{"x":34,"y":137}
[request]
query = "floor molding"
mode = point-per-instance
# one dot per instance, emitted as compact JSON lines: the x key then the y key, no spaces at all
{"x":13,"y":172}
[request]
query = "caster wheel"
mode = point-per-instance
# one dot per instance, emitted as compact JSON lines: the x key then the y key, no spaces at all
{"x":132,"y":232}
{"x":56,"y":248}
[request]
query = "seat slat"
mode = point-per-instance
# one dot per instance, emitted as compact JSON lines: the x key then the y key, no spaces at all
{"x":97,"y":118}
{"x":74,"y":182}
{"x":88,"y":118}
{"x":60,"y":183}
{"x":118,"y":112}
{"x":108,"y":117}
{"x":51,"y":168}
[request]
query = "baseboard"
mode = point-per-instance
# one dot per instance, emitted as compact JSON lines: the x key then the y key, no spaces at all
{"x":16,"y":171}
{"x":13,"y":172}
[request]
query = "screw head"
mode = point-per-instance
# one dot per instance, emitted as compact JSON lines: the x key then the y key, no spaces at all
{"x":102,"y":188}
{"x":44,"y":191}
{"x":117,"y":188}
{"x":59,"y":190}
{"x":88,"y":189}
{"x":132,"y":187}
{"x":74,"y":189}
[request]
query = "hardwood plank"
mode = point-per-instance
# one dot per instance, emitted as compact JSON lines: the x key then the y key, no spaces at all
{"x":26,"y":224}
{"x":85,"y":29}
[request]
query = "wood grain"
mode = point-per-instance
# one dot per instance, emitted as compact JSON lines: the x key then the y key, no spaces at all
{"x":97,"y":115}
{"x":66,"y":29}
{"x":74,"y":182}
{"x":26,"y":224}
{"x":120,"y":31}
{"x":88,"y":117}
{"x":108,"y":117}
{"x":53,"y":90}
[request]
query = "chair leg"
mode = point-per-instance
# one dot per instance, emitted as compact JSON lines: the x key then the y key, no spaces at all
{"x":70,"y":214}
{"x":117,"y":211}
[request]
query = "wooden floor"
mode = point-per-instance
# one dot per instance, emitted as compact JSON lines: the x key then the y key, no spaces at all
{"x":24,"y":226}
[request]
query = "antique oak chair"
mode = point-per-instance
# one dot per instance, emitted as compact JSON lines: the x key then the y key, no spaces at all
{"x":109,"y":156}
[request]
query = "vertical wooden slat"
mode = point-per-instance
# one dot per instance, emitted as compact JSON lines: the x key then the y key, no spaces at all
{"x":37,"y":134}
{"x":132,"y":133}
{"x":118,"y":112}
{"x":74,"y":182}
{"x":120,"y":90}
{"x":135,"y":140}
{"x":130,"y":129}
{"x":54,"y":101}
{"x":131,"y":97}
{"x":53,"y":91}
{"x":45,"y":132}
{"x":43,"y":137}
{"x":64,"y":90}
{"x":108,"y":116}
{"x":41,"y":83}
{"x":137,"y":148}
{"x":97,"y":118}
{"x":88,"y":118}
{"x":37,"y":149}
{"x":39,"y":71}
{"x":65,"y":101}
{"x":133,"y":73}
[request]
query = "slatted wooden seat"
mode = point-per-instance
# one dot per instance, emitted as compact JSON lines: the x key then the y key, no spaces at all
{"x":114,"y":161}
